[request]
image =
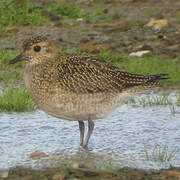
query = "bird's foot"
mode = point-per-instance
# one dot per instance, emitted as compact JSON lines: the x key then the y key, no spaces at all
{"x":85,"y":148}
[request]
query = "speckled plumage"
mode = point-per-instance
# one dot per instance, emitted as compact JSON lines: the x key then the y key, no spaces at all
{"x":77,"y":87}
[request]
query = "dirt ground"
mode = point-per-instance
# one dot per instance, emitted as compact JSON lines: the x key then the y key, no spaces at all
{"x":134,"y":30}
{"x":89,"y":174}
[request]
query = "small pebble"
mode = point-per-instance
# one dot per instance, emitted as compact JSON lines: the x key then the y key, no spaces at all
{"x":139,"y":53}
{"x":75,"y":165}
{"x":35,"y":155}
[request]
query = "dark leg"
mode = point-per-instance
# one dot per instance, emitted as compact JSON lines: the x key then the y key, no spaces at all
{"x":90,"y":130}
{"x":81,"y":129}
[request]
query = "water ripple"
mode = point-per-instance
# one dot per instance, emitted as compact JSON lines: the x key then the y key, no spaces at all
{"x":122,"y":135}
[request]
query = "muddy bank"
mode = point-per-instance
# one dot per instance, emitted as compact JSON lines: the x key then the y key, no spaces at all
{"x":63,"y":173}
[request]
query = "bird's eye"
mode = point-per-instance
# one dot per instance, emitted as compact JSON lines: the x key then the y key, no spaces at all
{"x":37,"y":48}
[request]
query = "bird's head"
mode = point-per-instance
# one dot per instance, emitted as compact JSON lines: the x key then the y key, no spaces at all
{"x":35,"y":50}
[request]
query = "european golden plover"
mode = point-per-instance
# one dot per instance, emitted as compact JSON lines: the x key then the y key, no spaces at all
{"x":77,"y":87}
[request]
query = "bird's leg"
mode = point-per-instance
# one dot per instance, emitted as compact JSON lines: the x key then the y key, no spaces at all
{"x":90,"y":130}
{"x":81,"y":129}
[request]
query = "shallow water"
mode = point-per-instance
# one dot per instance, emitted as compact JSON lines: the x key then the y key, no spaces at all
{"x":121,"y":136}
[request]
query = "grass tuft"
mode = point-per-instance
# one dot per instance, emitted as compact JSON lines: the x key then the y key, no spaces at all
{"x":7,"y":72}
{"x":26,"y":13}
{"x":97,"y":11}
{"x":160,"y":154}
{"x":16,"y":99}
{"x":178,"y":100}
{"x":154,"y":101}
{"x":5,"y":57}
{"x":65,"y":9}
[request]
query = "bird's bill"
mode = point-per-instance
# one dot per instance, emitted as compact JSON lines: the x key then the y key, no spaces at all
{"x":16,"y":59}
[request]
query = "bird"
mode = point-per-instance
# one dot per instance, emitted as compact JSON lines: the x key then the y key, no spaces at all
{"x":77,"y":87}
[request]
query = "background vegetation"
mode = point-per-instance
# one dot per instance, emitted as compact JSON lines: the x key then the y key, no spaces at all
{"x":16,"y":14}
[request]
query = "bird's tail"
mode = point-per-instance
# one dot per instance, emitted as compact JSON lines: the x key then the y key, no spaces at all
{"x":142,"y":80}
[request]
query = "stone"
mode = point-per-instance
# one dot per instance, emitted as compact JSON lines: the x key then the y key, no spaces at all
{"x":38,"y":155}
{"x":60,"y":176}
{"x":157,"y":24}
{"x":139,"y":53}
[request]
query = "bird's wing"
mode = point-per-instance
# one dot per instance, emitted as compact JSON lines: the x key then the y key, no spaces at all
{"x":87,"y":74}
